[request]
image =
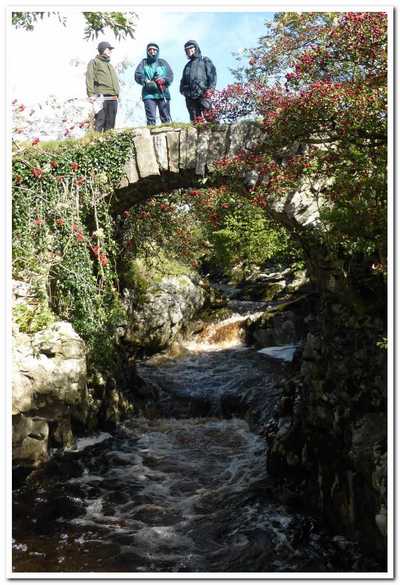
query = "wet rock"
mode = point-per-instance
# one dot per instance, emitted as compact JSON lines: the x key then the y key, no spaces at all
{"x":283,"y":324}
{"x":300,"y":280}
{"x":62,"y":434}
{"x":129,"y":557}
{"x":282,"y":352}
{"x":46,"y":512}
{"x":61,"y":466}
{"x":381,"y":521}
{"x":330,"y":441}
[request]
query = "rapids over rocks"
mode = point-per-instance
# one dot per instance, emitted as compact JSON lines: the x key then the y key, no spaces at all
{"x":183,"y":488}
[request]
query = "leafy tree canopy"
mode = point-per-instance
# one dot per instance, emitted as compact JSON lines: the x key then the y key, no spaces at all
{"x":121,"y":24}
{"x":320,"y":80}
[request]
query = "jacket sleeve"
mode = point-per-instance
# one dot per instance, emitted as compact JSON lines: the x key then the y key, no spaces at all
{"x":183,"y":80}
{"x":90,"y":79}
{"x":169,"y":78}
{"x":211,"y":73}
{"x":139,"y":74}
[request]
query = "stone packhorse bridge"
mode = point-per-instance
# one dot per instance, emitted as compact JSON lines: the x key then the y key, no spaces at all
{"x":166,"y":158}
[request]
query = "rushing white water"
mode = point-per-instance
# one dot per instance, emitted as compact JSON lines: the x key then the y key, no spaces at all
{"x":177,"y":494}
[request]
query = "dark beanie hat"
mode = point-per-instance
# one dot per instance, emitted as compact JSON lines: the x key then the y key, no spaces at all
{"x":152,"y":45}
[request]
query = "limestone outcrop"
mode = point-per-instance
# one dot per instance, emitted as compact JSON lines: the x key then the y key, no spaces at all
{"x":165,"y":310}
{"x":49,"y":385}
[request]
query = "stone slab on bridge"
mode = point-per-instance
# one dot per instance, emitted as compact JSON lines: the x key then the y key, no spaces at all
{"x":175,"y":150}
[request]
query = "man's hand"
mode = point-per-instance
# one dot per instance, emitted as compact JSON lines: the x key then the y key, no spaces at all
{"x":208,"y":93}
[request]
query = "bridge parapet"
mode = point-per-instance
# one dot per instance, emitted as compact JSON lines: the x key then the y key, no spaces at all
{"x":176,"y":150}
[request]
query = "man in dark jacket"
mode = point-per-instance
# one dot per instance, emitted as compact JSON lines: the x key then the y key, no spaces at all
{"x":103,"y":87}
{"x":199,"y":78}
{"x":155,"y":75}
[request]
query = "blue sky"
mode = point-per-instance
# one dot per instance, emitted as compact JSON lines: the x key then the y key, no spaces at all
{"x":40,"y":61}
{"x":218,"y":34}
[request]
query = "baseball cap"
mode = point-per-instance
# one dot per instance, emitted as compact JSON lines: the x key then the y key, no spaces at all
{"x":103,"y":46}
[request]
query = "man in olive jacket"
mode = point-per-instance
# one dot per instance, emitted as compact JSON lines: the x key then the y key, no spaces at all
{"x":155,"y":76}
{"x":103,"y":87}
{"x":199,"y":79}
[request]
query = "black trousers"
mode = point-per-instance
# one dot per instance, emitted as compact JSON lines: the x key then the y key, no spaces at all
{"x":150,"y":108}
{"x":105,"y":118}
{"x":194,"y":108}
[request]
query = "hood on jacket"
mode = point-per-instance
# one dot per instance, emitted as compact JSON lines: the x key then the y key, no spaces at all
{"x":196,"y":46}
{"x":151,"y":58}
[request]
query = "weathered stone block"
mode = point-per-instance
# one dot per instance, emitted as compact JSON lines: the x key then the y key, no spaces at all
{"x":218,"y":146}
{"x":130,"y":173}
{"x":145,"y":154}
{"x":49,"y":366}
{"x":29,"y":439}
{"x":21,"y":427}
{"x":202,"y":150}
{"x":160,"y":147}
{"x":173,"y":151}
{"x":237,"y":138}
{"x":168,"y":307}
{"x":22,"y":293}
{"x":31,"y":450}
{"x":188,"y":143}
{"x":304,"y":209}
{"x":255,"y":136}
{"x":63,"y":433}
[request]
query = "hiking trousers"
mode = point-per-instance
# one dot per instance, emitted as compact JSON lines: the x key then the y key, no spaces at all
{"x":105,"y":118}
{"x":150,"y":108}
{"x":194,"y":108}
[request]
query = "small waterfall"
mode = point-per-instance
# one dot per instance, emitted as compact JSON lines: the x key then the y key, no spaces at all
{"x":229,"y":333}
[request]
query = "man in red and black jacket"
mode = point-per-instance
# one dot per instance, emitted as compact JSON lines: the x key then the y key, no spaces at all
{"x":198,"y":81}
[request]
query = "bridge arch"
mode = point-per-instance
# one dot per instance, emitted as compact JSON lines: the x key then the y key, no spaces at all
{"x":169,"y":157}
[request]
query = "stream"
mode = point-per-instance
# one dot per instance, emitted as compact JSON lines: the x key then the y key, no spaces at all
{"x":183,"y":489}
